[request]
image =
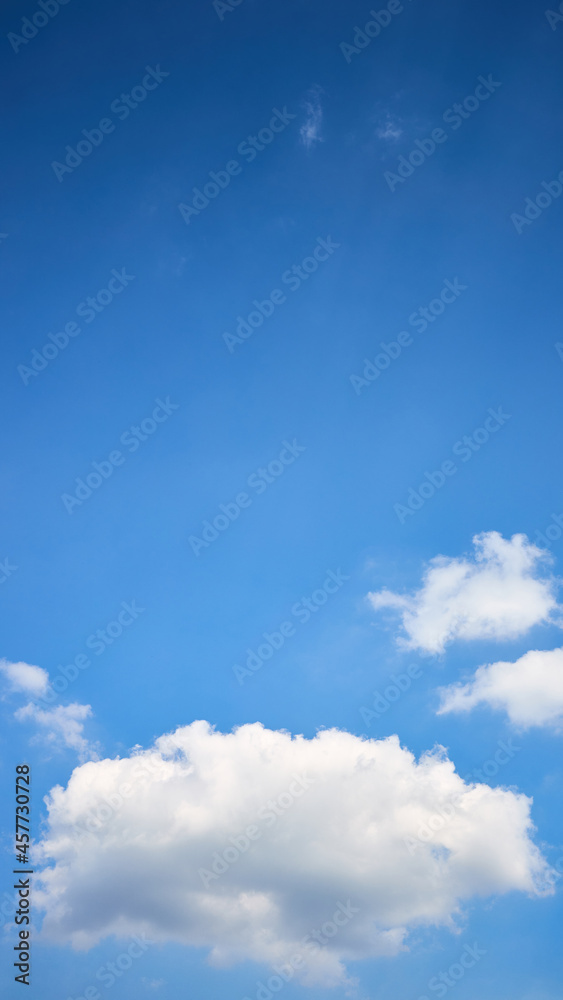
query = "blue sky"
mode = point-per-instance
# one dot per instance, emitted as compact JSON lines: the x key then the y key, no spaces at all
{"x":355,"y":450}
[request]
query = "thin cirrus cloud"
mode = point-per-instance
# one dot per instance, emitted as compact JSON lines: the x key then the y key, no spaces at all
{"x":310,"y":131}
{"x":340,"y":840}
{"x":389,"y":130}
{"x":500,"y":592}
{"x":58,"y":728}
{"x":530,"y":690}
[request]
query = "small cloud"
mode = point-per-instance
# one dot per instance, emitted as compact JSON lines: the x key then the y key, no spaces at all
{"x":178,"y":270}
{"x":311,"y":127}
{"x":25,"y":677}
{"x":530,"y":690}
{"x":499,"y":592}
{"x":390,"y":130}
{"x":153,"y":984}
{"x":60,"y":727}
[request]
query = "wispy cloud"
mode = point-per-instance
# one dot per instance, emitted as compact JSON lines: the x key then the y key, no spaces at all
{"x":59,"y":728}
{"x":390,"y":130}
{"x":311,"y":127}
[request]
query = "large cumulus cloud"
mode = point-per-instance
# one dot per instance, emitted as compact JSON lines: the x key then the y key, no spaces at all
{"x":134,"y":845}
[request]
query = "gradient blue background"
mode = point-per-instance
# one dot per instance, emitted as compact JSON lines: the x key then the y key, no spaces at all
{"x":332,"y":509}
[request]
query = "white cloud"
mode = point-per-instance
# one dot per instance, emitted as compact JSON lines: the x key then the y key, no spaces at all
{"x":25,"y":677}
{"x":498,"y":594}
{"x":311,"y":127}
{"x":390,"y":130}
{"x":341,"y":839}
{"x":529,"y":690}
{"x":59,"y":727}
